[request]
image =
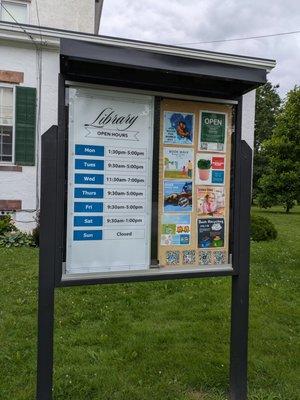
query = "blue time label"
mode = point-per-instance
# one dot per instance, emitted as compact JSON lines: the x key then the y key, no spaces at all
{"x":89,"y":179}
{"x":88,"y":193}
{"x":89,"y":164}
{"x":88,"y":207}
{"x":87,"y":150}
{"x":87,"y":235}
{"x":88,"y":221}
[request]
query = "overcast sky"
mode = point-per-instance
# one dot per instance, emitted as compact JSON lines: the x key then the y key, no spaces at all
{"x":183,"y":21}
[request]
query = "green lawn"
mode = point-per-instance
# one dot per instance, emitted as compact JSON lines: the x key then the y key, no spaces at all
{"x":156,"y":341}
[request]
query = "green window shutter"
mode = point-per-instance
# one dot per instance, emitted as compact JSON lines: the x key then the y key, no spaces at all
{"x":25,"y":114}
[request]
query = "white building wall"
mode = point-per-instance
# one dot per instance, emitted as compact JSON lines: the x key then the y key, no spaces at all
{"x":21,"y":186}
{"x":49,"y":92}
{"x":73,"y":15}
{"x":25,"y":185}
{"x":20,"y":58}
{"x":248,"y":118}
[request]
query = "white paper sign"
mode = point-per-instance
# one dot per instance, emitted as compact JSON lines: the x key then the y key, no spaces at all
{"x":109,"y":178}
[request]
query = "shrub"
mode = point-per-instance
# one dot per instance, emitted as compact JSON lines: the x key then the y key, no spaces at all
{"x":36,"y":231}
{"x":16,"y":239}
{"x":262,"y":229}
{"x":6,"y":224}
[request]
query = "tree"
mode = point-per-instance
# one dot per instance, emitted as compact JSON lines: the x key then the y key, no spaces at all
{"x":280,"y":182}
{"x":267,"y":107}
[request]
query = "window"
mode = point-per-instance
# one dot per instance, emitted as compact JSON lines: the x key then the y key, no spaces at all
{"x":17,"y":124}
{"x":6,"y":124}
{"x":12,"y":10}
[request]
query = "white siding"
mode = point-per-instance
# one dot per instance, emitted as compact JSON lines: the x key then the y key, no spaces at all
{"x":73,"y":15}
{"x":25,"y":185}
{"x":21,"y":186}
{"x":248,"y":118}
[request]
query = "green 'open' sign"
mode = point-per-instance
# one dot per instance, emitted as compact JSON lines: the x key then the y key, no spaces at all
{"x":212,"y":131}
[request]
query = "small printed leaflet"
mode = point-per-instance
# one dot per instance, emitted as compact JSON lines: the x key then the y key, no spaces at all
{"x":212,"y":135}
{"x":209,"y":169}
{"x":178,"y":163}
{"x":178,"y":128}
{"x":210,"y":201}
{"x":176,"y":229}
{"x":178,"y":196}
{"x":210,"y":232}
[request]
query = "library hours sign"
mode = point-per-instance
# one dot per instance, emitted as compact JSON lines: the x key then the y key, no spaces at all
{"x":109,"y":175}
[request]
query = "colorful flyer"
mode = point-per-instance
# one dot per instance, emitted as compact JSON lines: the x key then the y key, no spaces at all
{"x":210,"y":201}
{"x":178,"y":196}
{"x":209,"y":169}
{"x":213,"y":128}
{"x":178,"y":163}
{"x":178,"y":128}
{"x":210,"y":232}
{"x":176,"y":230}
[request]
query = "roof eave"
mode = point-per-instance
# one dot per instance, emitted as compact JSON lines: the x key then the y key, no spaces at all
{"x":49,"y":37}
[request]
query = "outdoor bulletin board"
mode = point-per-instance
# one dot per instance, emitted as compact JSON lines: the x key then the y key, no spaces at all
{"x":111,"y":185}
{"x":194,"y":183}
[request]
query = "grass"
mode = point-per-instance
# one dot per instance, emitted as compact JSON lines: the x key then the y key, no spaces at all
{"x":156,"y":341}
{"x":174,"y":174}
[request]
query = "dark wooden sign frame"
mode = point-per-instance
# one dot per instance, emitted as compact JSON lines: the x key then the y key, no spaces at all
{"x":53,"y":237}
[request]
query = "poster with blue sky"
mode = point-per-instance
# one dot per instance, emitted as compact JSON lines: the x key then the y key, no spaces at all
{"x":176,"y":229}
{"x":178,"y":163}
{"x":178,"y":196}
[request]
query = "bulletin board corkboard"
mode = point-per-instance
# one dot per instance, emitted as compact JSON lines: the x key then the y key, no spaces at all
{"x":194,"y":183}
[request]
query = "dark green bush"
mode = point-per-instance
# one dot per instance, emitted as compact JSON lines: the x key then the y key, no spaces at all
{"x":262,"y":229}
{"x":17,"y":239}
{"x":6,"y":224}
{"x":10,"y":236}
